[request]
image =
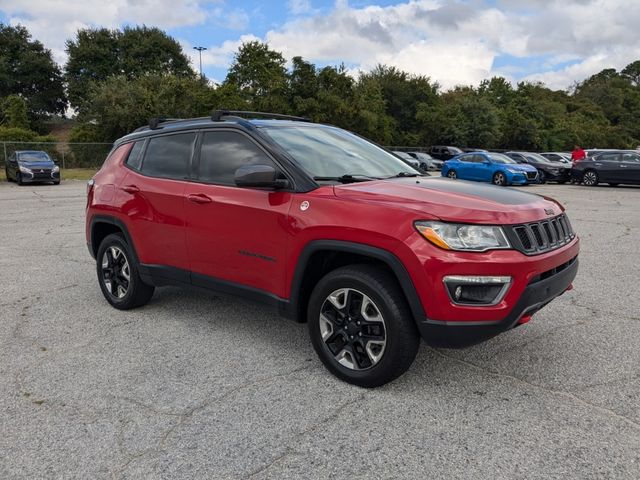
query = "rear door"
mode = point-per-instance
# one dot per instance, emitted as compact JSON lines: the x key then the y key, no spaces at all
{"x":154,"y":201}
{"x":608,"y":166}
{"x":235,"y":234}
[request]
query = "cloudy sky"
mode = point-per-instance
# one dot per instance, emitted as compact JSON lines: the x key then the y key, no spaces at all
{"x":453,"y":42}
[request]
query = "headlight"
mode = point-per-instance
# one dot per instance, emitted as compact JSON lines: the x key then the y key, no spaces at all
{"x":55,"y":169}
{"x":513,"y":170}
{"x":25,"y":169}
{"x":474,"y":238}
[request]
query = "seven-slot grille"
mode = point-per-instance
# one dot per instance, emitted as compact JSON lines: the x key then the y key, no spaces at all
{"x":542,"y":236}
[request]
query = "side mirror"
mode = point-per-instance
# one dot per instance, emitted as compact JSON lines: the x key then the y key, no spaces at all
{"x":261,"y":176}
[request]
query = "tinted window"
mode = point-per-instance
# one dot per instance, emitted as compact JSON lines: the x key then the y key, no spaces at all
{"x":607,"y":157}
{"x":168,"y":156}
{"x":134,"y":160}
{"x":222,"y":153}
{"x":466,"y":158}
{"x":630,"y":157}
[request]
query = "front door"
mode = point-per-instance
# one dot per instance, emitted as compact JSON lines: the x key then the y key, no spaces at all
{"x":234,"y":234}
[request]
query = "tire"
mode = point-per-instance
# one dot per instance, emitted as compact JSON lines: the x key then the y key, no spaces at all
{"x":542,"y":177}
{"x":499,"y":179}
{"x":394,"y":338}
{"x":590,"y":178}
{"x":452,"y":174}
{"x":56,"y":182}
{"x":6,"y":174}
{"x":19,"y":179}
{"x":614,"y":184}
{"x":114,"y":262}
{"x":561,"y":182}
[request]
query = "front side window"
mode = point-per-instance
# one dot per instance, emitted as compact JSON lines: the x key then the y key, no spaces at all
{"x":607,"y":157}
{"x":222,"y":153}
{"x":169,"y":156}
{"x":630,"y":157}
{"x":333,"y":152}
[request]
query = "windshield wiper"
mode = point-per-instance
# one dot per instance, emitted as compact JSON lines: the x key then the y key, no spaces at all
{"x":347,"y":178}
{"x":406,"y":174}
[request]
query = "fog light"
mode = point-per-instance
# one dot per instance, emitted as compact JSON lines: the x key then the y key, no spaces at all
{"x":476,"y":290}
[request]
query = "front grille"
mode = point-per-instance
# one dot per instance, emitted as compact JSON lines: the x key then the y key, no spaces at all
{"x":543,"y":236}
{"x":532,"y":175}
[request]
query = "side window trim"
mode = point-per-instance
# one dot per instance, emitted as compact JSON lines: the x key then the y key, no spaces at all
{"x":197,"y":157}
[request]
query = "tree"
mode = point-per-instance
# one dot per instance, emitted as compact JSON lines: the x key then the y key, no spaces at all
{"x":260,"y":76}
{"x":13,"y":112}
{"x":27,"y":69}
{"x":97,"y":54}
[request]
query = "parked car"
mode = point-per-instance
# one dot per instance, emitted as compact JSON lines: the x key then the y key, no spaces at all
{"x":470,"y":150}
{"x":408,"y":159}
{"x":31,"y":166}
{"x":559,"y":157}
{"x":427,"y":162}
{"x":547,"y":170}
{"x":444,"y":153}
{"x":612,"y":167}
{"x":327,"y":228}
{"x":489,"y":167}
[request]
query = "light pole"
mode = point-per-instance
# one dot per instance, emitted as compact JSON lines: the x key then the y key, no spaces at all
{"x":200,"y":49}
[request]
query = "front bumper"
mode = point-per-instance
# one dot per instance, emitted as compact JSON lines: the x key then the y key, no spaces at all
{"x":538,"y":293}
{"x":37,"y":177}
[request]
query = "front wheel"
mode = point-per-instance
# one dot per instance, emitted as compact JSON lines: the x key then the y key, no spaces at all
{"x":590,"y":178}
{"x":499,"y":179}
{"x":542,"y":177}
{"x":452,"y":174}
{"x":19,"y":179}
{"x":361,"y":326}
{"x":118,"y":274}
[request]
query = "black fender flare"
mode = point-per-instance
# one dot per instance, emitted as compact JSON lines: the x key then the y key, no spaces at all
{"x":96,"y":219}
{"x":385,"y":256}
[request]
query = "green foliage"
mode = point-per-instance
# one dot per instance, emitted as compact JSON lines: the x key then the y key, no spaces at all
{"x":13,"y":112}
{"x":97,"y":54}
{"x":28,"y":70}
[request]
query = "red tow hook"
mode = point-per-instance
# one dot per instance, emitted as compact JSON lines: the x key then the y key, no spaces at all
{"x":524,"y":319}
{"x":570,"y":287}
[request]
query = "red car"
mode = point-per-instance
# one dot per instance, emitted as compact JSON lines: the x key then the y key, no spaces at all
{"x":328,"y":228}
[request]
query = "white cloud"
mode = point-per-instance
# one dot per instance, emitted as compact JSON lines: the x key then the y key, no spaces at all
{"x":300,"y":7}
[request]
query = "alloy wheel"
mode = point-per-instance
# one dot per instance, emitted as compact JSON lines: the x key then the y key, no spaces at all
{"x":353,"y":329}
{"x":590,"y":178}
{"x":499,"y":179}
{"x":452,"y":174}
{"x":116,"y":274}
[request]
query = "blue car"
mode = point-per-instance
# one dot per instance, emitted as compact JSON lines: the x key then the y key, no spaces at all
{"x":489,"y":167}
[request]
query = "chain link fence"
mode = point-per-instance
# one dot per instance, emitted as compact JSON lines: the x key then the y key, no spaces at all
{"x":64,"y":154}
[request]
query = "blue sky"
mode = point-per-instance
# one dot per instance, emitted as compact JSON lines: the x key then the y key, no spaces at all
{"x":455,"y":42}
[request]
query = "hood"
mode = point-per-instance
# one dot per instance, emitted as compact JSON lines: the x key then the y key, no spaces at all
{"x":522,"y":167}
{"x":36,"y":163}
{"x":453,"y":200}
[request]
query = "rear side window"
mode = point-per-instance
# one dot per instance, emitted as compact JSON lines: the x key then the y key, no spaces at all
{"x":222,"y":153}
{"x":168,"y":156}
{"x":134,"y":160}
{"x":611,"y":157}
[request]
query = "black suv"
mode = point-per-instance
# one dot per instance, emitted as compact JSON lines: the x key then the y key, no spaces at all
{"x":31,"y":166}
{"x":442,"y":152}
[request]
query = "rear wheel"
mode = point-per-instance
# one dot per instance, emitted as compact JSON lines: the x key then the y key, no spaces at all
{"x":361,"y":326}
{"x":499,"y":179}
{"x":590,"y":178}
{"x":118,"y":274}
{"x":452,"y":174}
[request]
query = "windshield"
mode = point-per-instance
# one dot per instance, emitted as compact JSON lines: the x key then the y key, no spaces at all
{"x":33,"y":157}
{"x":333,"y":152}
{"x":500,"y":158}
{"x":536,"y":157}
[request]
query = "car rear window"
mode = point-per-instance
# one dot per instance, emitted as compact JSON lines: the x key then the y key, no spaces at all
{"x":168,"y":156}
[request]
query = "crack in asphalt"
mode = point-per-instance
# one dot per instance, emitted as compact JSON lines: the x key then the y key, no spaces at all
{"x":289,"y":450}
{"x":560,"y":393}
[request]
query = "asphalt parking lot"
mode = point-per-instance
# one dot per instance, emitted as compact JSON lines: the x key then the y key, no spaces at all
{"x":197,"y":386}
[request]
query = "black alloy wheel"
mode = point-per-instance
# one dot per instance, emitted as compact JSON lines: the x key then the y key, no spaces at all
{"x":118,"y":274}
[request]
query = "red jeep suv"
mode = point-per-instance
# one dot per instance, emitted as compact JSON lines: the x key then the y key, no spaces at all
{"x":328,"y":228}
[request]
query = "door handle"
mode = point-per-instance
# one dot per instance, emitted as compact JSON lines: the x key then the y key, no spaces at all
{"x":198,"y":198}
{"x":130,"y":189}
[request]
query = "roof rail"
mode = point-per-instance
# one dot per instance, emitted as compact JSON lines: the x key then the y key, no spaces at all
{"x":218,"y":114}
{"x":156,"y":122}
